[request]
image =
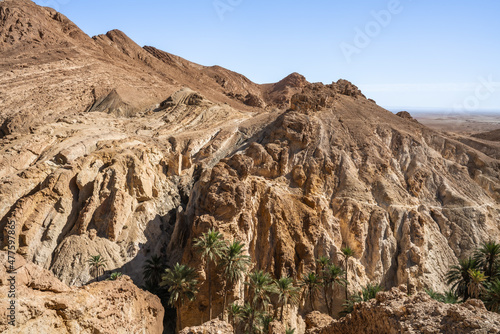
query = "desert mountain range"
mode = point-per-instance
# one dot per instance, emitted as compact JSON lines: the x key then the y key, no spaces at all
{"x":126,"y":151}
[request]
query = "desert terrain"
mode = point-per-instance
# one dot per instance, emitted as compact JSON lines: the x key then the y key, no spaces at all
{"x":132,"y":153}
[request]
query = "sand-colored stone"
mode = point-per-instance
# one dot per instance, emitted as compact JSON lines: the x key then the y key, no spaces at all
{"x":396,"y":312}
{"x":46,"y":305}
{"x":130,"y":152}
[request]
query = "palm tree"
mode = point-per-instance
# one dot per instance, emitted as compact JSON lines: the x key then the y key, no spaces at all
{"x":323,"y":262}
{"x":332,"y":275}
{"x":477,"y":279}
{"x":289,"y":330}
{"x":182,"y":285}
{"x":492,"y":296}
{"x":312,"y":283}
{"x":287,"y":293}
{"x":250,"y":314}
{"x":234,"y":264}
{"x":370,"y":291}
{"x":346,"y":252}
{"x":153,"y":269}
{"x":488,"y":258}
{"x":459,"y":277}
{"x":234,"y":311}
{"x":211,"y":246}
{"x":97,"y":264}
{"x":261,"y":285}
{"x":366,"y":293}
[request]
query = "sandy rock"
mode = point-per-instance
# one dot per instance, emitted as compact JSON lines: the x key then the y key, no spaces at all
{"x":315,"y":320}
{"x":46,"y":305}
{"x":396,"y":312}
{"x":211,"y":327}
{"x":295,"y":170}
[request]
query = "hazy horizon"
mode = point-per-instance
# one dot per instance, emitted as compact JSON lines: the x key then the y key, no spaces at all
{"x":398,"y":52}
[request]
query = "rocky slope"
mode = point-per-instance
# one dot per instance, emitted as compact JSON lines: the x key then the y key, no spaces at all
{"x":46,"y":305}
{"x":128,"y":152}
{"x":395,"y":312}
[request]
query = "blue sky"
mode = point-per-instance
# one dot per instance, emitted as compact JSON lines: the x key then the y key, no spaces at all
{"x":405,"y":54}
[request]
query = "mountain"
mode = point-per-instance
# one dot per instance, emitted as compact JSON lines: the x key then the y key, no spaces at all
{"x":128,"y":152}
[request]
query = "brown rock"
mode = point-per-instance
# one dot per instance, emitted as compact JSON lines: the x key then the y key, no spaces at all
{"x":211,"y":327}
{"x":316,"y":320}
{"x":396,"y":312}
{"x":46,"y":305}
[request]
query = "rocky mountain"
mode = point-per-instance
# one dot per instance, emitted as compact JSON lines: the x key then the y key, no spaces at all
{"x":128,"y":152}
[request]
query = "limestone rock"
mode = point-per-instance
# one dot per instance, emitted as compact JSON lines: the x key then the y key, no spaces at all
{"x":295,"y":170}
{"x":315,"y":320}
{"x":46,"y":305}
{"x":211,"y":327}
{"x":396,"y":312}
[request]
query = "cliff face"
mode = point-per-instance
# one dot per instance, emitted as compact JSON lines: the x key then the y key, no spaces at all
{"x":407,"y":200}
{"x":46,"y":305}
{"x":130,"y":152}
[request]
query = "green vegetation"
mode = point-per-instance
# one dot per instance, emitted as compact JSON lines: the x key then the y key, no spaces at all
{"x":182,"y":286}
{"x":459,"y":277}
{"x":153,"y":269}
{"x":449,"y":297}
{"x":288,"y":294}
{"x":367,"y":293}
{"x":487,"y":258}
{"x":211,"y":247}
{"x":311,"y":283}
{"x":332,"y":276}
{"x":477,"y":276}
{"x":114,"y":276}
{"x":97,"y":264}
{"x":347,"y":253}
{"x":233,"y":265}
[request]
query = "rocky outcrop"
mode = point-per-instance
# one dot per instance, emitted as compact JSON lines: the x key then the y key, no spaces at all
{"x":315,"y":320}
{"x":46,"y":305}
{"x":406,"y":115}
{"x":211,"y":327}
{"x":396,"y":312}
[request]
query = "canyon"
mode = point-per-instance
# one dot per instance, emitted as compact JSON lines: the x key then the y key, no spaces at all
{"x":128,"y":152}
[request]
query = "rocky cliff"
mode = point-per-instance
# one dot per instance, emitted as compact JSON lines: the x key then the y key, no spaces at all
{"x":46,"y":305}
{"x":128,"y":152}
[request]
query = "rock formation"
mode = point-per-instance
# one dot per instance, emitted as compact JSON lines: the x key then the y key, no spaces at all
{"x":46,"y":305}
{"x":211,"y":327}
{"x":396,"y":312}
{"x":128,"y":152}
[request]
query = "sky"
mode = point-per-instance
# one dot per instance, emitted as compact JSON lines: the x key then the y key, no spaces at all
{"x":405,"y":54}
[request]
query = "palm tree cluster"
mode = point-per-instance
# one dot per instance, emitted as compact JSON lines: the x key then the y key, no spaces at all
{"x":266,"y":298}
{"x":477,"y":276}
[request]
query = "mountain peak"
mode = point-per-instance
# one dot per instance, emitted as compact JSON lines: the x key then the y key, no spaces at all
{"x":23,"y":23}
{"x":294,"y":80}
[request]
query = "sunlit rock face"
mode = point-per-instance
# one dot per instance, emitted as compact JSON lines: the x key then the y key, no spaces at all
{"x":44,"y":304}
{"x":131,"y":152}
{"x":396,"y":312}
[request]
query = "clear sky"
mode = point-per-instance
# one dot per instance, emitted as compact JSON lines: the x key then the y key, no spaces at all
{"x":405,"y":54}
